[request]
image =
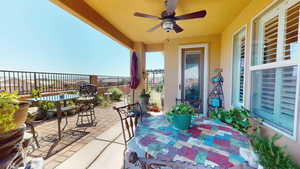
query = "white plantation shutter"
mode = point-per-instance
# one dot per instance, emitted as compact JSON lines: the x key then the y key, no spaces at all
{"x":287,"y":99}
{"x":268,"y":90}
{"x":242,"y":69}
{"x":270,"y":40}
{"x":276,"y":65}
{"x":238,"y":70}
{"x":291,"y":32}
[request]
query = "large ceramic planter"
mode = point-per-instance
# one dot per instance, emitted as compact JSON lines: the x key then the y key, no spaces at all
{"x":21,"y":114}
{"x":182,"y":121}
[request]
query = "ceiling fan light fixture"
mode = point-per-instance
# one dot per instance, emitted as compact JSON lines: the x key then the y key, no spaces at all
{"x":168,"y":26}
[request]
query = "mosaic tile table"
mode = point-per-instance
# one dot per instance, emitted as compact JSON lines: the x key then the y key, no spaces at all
{"x":207,"y":143}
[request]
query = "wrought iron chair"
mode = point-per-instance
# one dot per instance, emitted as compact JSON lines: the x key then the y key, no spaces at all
{"x":130,"y":115}
{"x":196,"y":104}
{"x":86,"y":104}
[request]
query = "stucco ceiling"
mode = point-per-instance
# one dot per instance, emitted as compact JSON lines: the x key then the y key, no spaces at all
{"x":120,"y":14}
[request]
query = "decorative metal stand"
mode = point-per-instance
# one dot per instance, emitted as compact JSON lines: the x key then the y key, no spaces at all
{"x":216,"y":96}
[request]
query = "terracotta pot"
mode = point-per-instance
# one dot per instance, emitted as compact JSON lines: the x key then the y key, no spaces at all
{"x":21,"y":114}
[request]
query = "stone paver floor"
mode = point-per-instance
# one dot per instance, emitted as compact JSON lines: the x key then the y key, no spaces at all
{"x":105,"y":118}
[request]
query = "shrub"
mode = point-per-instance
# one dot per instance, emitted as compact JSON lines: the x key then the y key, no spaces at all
{"x":102,"y":101}
{"x":269,"y":155}
{"x":72,"y":103}
{"x":237,"y":118}
{"x":35,"y":93}
{"x":44,"y":106}
{"x":116,"y":93}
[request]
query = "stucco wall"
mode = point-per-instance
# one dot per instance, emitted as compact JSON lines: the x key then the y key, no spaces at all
{"x":172,"y":65}
{"x":226,"y":63}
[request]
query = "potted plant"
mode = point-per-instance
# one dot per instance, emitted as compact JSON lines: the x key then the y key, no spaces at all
{"x":181,"y":116}
{"x":145,"y":96}
{"x":13,"y":113}
{"x":153,"y":107}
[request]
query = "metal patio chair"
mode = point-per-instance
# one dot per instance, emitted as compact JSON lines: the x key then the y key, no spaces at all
{"x":130,"y":115}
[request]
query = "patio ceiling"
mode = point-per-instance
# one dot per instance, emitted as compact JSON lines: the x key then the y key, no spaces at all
{"x":115,"y":17}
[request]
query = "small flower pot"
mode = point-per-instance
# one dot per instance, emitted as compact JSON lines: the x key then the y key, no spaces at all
{"x":182,"y":121}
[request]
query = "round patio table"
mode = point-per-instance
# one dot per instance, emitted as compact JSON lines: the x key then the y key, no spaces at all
{"x":208,"y":142}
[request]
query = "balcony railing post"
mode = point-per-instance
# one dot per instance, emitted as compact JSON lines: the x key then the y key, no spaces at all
{"x":35,"y":81}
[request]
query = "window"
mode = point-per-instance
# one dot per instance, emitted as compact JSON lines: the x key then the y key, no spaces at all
{"x":275,"y":66}
{"x":238,"y":69}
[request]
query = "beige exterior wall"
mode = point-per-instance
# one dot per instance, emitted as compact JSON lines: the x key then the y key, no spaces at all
{"x":171,"y":48}
{"x":243,"y":19}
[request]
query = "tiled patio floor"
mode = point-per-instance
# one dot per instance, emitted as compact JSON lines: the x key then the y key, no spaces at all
{"x":104,"y":152}
{"x":106,"y":118}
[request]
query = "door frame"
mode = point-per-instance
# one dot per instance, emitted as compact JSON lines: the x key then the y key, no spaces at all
{"x":205,"y":74}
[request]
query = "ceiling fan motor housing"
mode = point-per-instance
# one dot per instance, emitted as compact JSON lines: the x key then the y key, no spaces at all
{"x":168,"y":25}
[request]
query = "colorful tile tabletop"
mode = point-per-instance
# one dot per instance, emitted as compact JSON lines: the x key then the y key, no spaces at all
{"x":207,"y":142}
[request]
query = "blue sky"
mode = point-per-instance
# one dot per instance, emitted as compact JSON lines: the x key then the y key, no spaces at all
{"x":39,"y":36}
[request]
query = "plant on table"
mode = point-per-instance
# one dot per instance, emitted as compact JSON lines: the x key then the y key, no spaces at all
{"x":237,"y":118}
{"x":271,"y":156}
{"x":116,"y":93}
{"x":181,"y":116}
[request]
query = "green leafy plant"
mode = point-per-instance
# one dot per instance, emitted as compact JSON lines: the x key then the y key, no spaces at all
{"x":179,"y":109}
{"x":116,"y":93}
{"x":237,"y":118}
{"x":102,"y":101}
{"x":45,"y":106}
{"x":35,"y":93}
{"x":71,"y":103}
{"x":9,"y":104}
{"x":271,"y":156}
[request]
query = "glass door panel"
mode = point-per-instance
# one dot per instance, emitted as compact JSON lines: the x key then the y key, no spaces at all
{"x":192,"y":77}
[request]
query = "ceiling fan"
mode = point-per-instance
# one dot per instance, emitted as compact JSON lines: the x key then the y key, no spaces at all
{"x":168,"y":18}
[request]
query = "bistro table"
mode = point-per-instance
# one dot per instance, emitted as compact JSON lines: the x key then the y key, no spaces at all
{"x":57,"y":99}
{"x":208,"y":143}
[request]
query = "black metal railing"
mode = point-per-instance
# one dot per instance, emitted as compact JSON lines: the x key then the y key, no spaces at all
{"x":25,"y":82}
{"x":106,"y":81}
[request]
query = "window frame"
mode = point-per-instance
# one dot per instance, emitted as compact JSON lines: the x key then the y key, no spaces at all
{"x":241,"y":29}
{"x":267,"y":12}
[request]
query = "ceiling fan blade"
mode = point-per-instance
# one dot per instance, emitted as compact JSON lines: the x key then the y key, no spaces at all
{"x":177,"y":28}
{"x":171,"y":6}
{"x":138,"y":14}
{"x":154,"y":28}
{"x":194,"y":15}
